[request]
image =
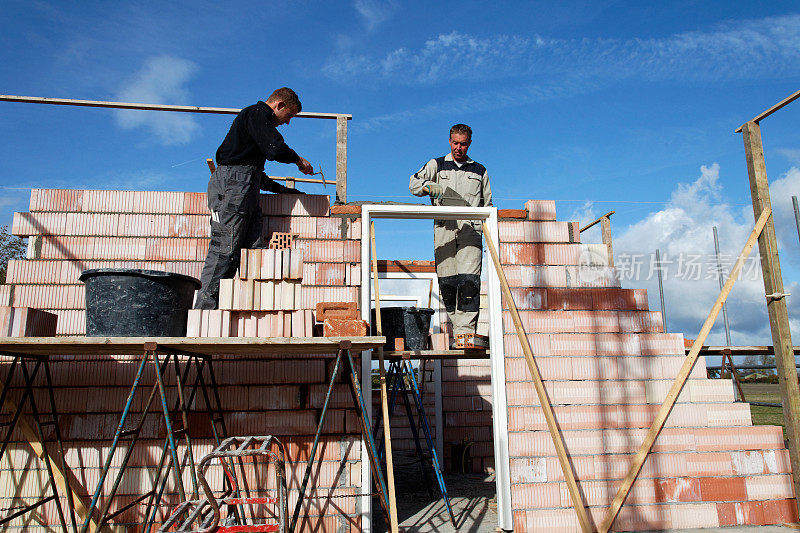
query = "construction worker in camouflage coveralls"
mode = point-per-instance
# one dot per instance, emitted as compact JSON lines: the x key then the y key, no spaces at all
{"x":457,"y":180}
{"x":233,"y":191}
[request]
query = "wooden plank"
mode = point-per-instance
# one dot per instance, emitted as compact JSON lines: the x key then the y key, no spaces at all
{"x":65,"y":479}
{"x":786,"y":101}
{"x":422,"y":355}
{"x":776,"y":307}
{"x":740,"y":350}
{"x":387,"y":430}
{"x":591,"y":224}
{"x":152,"y":107}
{"x":341,"y":160}
{"x":210,"y":163}
{"x":552,"y":425}
{"x":680,"y":380}
{"x":234,"y":346}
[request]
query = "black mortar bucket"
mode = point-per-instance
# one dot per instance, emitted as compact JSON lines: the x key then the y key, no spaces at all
{"x":411,"y":324}
{"x":129,"y":302}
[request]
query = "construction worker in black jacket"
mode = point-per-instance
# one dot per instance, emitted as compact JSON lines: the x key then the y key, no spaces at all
{"x":233,"y":191}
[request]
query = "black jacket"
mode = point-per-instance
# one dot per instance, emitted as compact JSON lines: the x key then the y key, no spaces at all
{"x":253,"y":138}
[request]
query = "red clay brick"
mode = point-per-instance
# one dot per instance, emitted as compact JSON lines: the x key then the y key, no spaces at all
{"x":726,"y":514}
{"x":345,"y":210}
{"x":337,"y":310}
{"x":780,"y":511}
{"x":510,"y":213}
{"x":334,"y":327}
{"x":678,"y":490}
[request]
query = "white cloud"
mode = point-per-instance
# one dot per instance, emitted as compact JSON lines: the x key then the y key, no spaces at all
{"x":682,"y":231}
{"x":374,"y":12}
{"x":161,"y":80}
{"x":733,"y":50}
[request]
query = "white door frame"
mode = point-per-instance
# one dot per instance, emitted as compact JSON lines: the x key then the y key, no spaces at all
{"x":499,"y":405}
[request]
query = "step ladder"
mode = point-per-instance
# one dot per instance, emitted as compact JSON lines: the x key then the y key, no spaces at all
{"x":397,"y":374}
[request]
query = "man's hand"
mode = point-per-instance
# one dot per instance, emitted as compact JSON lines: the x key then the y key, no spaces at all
{"x":305,"y":167}
{"x":434,"y":190}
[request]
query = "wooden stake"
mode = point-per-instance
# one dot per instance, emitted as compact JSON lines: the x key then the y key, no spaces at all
{"x":555,"y":432}
{"x":776,"y":304}
{"x":341,"y":160}
{"x":680,"y":380}
{"x":387,"y":430}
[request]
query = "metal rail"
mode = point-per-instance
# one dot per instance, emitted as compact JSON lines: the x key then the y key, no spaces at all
{"x":341,"y":124}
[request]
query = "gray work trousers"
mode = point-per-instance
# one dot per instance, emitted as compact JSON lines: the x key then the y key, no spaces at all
{"x":458,"y":248}
{"x":236,"y":223}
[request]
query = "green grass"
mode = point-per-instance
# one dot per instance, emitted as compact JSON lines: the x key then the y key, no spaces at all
{"x":764,"y":392}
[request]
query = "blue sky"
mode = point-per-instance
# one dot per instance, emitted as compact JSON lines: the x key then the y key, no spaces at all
{"x":599,"y":105}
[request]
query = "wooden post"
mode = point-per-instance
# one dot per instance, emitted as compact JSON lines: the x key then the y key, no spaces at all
{"x":605,"y":226}
{"x":776,"y":302}
{"x":387,"y":430}
{"x":680,"y":380}
{"x":547,"y":408}
{"x":341,"y":159}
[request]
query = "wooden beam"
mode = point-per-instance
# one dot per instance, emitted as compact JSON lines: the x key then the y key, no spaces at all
{"x":552,"y":425}
{"x":210,"y":163}
{"x":776,"y":306}
{"x":341,"y":160}
{"x":680,"y":380}
{"x":786,"y":101}
{"x":590,"y":224}
{"x":605,"y":224}
{"x":740,"y":350}
{"x":65,"y":479}
{"x":387,"y":430}
{"x":253,"y":347}
{"x":152,"y":107}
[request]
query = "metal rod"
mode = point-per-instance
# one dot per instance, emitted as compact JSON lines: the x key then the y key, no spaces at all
{"x":426,"y":429}
{"x":149,"y":107}
{"x":796,"y":215}
{"x":114,"y":442}
{"x":173,"y":447}
{"x":46,"y":459}
{"x":310,"y":464}
{"x":661,"y":292}
{"x":722,"y":284}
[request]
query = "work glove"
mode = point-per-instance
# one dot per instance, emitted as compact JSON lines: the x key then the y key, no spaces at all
{"x":435,"y":190}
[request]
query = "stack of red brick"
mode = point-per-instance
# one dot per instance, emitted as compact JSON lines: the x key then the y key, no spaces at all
{"x":73,"y":230}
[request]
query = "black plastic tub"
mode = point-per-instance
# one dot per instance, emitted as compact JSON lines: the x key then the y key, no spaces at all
{"x":411,"y":324}
{"x":129,"y":302}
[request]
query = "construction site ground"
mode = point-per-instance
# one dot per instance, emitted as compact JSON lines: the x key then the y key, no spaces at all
{"x":472,"y":497}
